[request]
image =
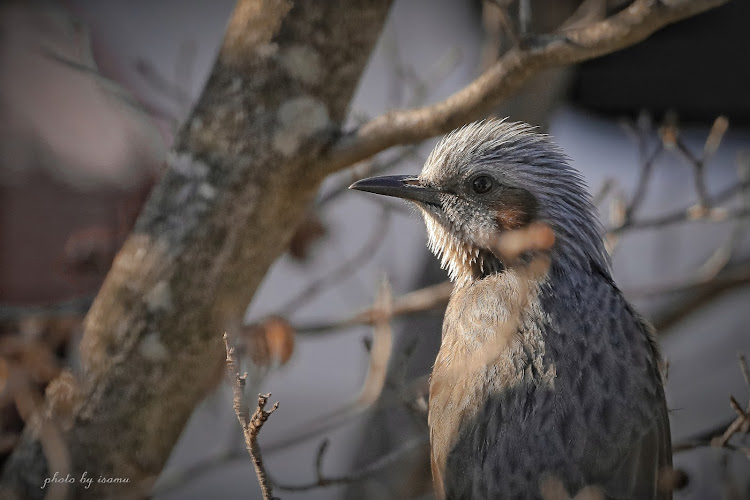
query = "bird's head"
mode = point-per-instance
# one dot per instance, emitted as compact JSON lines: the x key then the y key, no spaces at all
{"x":491,"y":177}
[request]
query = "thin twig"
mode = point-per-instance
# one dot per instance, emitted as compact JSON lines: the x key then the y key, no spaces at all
{"x":507,"y":25}
{"x":739,"y":425}
{"x":603,"y":191}
{"x":719,"y":259}
{"x":372,"y":387}
{"x":647,"y":167}
{"x":699,"y":169}
{"x":413,"y":395}
{"x":425,"y":299}
{"x":343,"y":271}
{"x":746,"y":375}
{"x":251,"y":424}
{"x":715,"y":215}
{"x":686,"y":214}
{"x":744,"y":369}
{"x":702,"y":294}
{"x":736,"y":275}
{"x":673,"y":140}
{"x":407,"y":153}
{"x":114,"y":88}
{"x":380,"y":351}
{"x":387,"y":460}
{"x":524,"y":18}
{"x":723,"y":254}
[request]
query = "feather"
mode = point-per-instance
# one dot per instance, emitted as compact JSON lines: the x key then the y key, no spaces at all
{"x":539,"y":378}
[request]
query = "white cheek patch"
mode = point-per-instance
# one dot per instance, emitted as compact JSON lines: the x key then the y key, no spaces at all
{"x":448,"y":245}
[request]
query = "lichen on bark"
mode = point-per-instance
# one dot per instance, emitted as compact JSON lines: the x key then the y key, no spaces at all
{"x":235,"y":185}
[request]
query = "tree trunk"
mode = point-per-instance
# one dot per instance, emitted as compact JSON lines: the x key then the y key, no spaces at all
{"x":235,"y":186}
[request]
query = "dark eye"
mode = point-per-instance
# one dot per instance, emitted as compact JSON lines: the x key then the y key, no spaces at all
{"x":481,"y":184}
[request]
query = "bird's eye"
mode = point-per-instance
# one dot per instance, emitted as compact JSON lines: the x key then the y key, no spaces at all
{"x":481,"y":184}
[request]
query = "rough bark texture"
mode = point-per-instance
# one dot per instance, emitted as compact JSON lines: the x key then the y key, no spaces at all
{"x":234,"y":188}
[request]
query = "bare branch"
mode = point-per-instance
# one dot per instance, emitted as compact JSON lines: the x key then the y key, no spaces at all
{"x":647,"y":167}
{"x":688,"y":213}
{"x":251,"y":425}
{"x":370,"y":168}
{"x":740,"y":425}
{"x":744,"y":369}
{"x":387,"y":460}
{"x":414,"y":396}
{"x":673,"y":140}
{"x":723,"y":254}
{"x":735,"y":275}
{"x":380,"y":353}
{"x":745,"y":427}
{"x":506,"y":76}
{"x":344,"y":270}
{"x":603,"y":191}
{"x":715,"y":135}
{"x":701,"y":293}
{"x":424,"y":299}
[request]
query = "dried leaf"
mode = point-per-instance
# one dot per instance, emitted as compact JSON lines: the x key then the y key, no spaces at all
{"x":269,"y":341}
{"x":308,"y":233}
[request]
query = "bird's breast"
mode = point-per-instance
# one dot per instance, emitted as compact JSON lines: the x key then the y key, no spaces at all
{"x":493,"y":339}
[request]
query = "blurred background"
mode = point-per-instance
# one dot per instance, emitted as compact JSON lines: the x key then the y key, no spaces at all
{"x":91,"y":93}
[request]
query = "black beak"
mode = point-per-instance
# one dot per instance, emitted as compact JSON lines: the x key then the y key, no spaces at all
{"x":407,"y":187}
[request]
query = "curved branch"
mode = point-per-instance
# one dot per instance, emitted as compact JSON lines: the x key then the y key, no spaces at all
{"x":702,"y":294}
{"x":506,"y":76}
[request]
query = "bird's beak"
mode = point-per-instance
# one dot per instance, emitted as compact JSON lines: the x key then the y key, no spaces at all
{"x":407,"y":187}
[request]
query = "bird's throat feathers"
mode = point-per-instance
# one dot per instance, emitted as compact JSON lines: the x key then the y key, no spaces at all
{"x":467,"y":257}
{"x":462,"y":259}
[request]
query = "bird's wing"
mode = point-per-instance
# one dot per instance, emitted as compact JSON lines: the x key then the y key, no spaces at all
{"x":608,"y":360}
{"x":639,"y":473}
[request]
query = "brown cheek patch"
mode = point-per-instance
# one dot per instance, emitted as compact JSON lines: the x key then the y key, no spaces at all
{"x":510,"y":218}
{"x":516,"y":209}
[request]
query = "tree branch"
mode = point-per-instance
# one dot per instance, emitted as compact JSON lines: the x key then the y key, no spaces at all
{"x":380,"y":354}
{"x":417,"y":301}
{"x":688,"y":213}
{"x":251,"y":424}
{"x":387,"y":460}
{"x":740,"y":425}
{"x":506,"y":76}
{"x":701,"y":294}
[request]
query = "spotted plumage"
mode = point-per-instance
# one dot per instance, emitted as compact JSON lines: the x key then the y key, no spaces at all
{"x":544,"y":373}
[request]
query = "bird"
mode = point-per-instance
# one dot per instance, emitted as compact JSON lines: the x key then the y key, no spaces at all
{"x":547,"y":379}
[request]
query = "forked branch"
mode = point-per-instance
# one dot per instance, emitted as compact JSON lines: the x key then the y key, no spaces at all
{"x":251,"y":424}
